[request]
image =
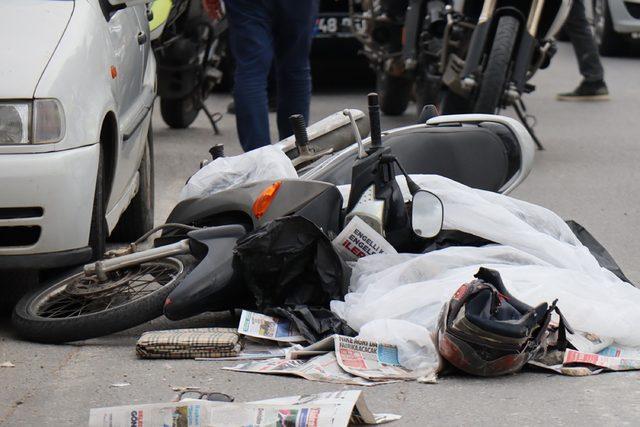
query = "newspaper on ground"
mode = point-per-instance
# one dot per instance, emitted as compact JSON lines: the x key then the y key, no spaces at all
{"x":587,"y":342}
{"x":336,"y":409}
{"x":363,"y":358}
{"x":324,"y":368}
{"x":255,"y":351}
{"x":269,"y":328}
{"x":598,"y":360}
{"x":357,"y":239}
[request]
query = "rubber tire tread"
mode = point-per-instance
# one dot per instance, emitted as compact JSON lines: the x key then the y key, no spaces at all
{"x":57,"y":331}
{"x":394,"y":92}
{"x":175,"y":114}
{"x":611,"y":43}
{"x":137,"y":219}
{"x":495,"y":73}
{"x":99,"y":229}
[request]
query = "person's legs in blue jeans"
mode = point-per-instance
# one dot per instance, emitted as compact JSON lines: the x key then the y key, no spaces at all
{"x":251,"y":42}
{"x":293,"y":26}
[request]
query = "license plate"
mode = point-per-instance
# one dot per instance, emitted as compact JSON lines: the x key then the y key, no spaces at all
{"x":336,"y":26}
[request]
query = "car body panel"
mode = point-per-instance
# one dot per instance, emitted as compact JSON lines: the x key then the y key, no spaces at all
{"x":622,"y":20}
{"x":26,"y":50}
{"x":62,"y":184}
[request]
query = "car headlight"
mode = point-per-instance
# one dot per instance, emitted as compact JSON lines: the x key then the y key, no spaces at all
{"x":31,"y":122}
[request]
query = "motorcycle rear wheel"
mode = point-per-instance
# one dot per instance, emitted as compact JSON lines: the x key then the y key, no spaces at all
{"x":494,"y":76}
{"x":179,"y":113}
{"x":78,"y":307}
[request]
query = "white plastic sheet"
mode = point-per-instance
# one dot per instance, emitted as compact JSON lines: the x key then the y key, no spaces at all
{"x":537,"y":255}
{"x":262,"y":164}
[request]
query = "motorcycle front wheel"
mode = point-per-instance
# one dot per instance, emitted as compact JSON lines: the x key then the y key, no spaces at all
{"x":494,"y":76}
{"x":179,"y":113}
{"x":394,"y":92}
{"x":78,"y":307}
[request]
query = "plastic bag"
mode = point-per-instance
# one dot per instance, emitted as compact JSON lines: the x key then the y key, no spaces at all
{"x":416,"y":350}
{"x":538,"y":256}
{"x":262,"y":164}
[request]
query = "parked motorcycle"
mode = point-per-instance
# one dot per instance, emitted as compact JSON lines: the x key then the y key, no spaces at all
{"x":188,"y":270}
{"x":463,"y":56}
{"x":191,"y":52}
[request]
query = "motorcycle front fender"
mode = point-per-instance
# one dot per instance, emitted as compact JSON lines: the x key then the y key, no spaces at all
{"x":210,"y":285}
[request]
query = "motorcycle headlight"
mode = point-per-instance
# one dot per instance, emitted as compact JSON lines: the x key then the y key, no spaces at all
{"x":31,"y":122}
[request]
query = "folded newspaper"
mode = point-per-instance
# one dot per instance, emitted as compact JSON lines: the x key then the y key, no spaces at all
{"x":334,"y":409}
{"x":323,"y":368}
{"x":367,"y":359}
{"x":269,"y":328}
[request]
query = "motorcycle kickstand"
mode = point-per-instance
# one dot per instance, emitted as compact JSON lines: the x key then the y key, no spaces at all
{"x":214,"y":118}
{"x":521,"y":111}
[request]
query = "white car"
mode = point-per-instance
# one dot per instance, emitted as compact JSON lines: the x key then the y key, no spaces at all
{"x":77,"y":84}
{"x":615,"y":22}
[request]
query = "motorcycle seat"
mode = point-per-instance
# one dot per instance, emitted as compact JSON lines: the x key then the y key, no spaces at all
{"x":479,"y":156}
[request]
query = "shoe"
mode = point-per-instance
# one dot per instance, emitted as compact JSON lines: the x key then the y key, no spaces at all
{"x":587,"y":91}
{"x":231,"y":108}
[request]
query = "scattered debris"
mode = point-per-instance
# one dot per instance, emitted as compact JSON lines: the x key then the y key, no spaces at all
{"x":120,"y":385}
{"x":333,"y":409}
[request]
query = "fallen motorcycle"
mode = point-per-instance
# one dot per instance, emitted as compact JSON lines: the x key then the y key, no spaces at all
{"x":189,"y":270}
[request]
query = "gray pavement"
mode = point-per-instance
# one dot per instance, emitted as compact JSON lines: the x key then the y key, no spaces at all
{"x":588,"y":172}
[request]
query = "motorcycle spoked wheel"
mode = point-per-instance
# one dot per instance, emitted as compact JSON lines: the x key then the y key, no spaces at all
{"x":78,"y":307}
{"x":179,"y":113}
{"x":494,"y":75}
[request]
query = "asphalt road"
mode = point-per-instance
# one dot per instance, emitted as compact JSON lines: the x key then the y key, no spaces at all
{"x":589,"y":173}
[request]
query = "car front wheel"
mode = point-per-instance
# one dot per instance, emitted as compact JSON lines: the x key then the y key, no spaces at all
{"x":137,"y":219}
{"x":608,"y":40}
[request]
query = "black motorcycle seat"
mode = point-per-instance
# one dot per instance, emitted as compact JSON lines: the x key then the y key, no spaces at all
{"x":472,"y":155}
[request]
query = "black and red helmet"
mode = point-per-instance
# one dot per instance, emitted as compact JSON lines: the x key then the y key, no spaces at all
{"x":484,"y":330}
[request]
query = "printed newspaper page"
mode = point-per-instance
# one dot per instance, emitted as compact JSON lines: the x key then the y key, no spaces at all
{"x":326,"y":409}
{"x":606,"y":362}
{"x":371,"y":360}
{"x":266,"y":327}
{"x":323,"y":368}
{"x":358,"y":240}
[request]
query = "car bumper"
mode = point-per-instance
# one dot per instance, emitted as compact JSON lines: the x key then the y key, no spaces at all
{"x":45,"y":207}
{"x":625,"y":15}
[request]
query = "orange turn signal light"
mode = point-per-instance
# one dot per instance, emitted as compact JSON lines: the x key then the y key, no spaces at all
{"x":262,"y":203}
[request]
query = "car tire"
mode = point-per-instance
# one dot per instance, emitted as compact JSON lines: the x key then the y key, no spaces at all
{"x":99,"y":230}
{"x":179,"y":113}
{"x":608,"y":40}
{"x":394,"y":93}
{"x":137,"y":219}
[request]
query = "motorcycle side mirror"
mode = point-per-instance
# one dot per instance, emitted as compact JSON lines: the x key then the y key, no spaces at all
{"x":427,"y":214}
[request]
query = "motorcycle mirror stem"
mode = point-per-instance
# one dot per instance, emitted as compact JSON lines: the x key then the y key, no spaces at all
{"x":356,"y":133}
{"x":374,"y":121}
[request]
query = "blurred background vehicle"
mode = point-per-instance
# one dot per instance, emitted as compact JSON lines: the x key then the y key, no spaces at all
{"x":76,"y":153}
{"x":615,"y":23}
{"x":193,"y":59}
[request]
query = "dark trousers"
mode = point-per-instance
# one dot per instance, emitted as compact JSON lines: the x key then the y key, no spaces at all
{"x":261,"y":32}
{"x":579,"y":31}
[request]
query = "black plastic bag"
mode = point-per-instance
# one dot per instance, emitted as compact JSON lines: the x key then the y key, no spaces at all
{"x":290,"y":262}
